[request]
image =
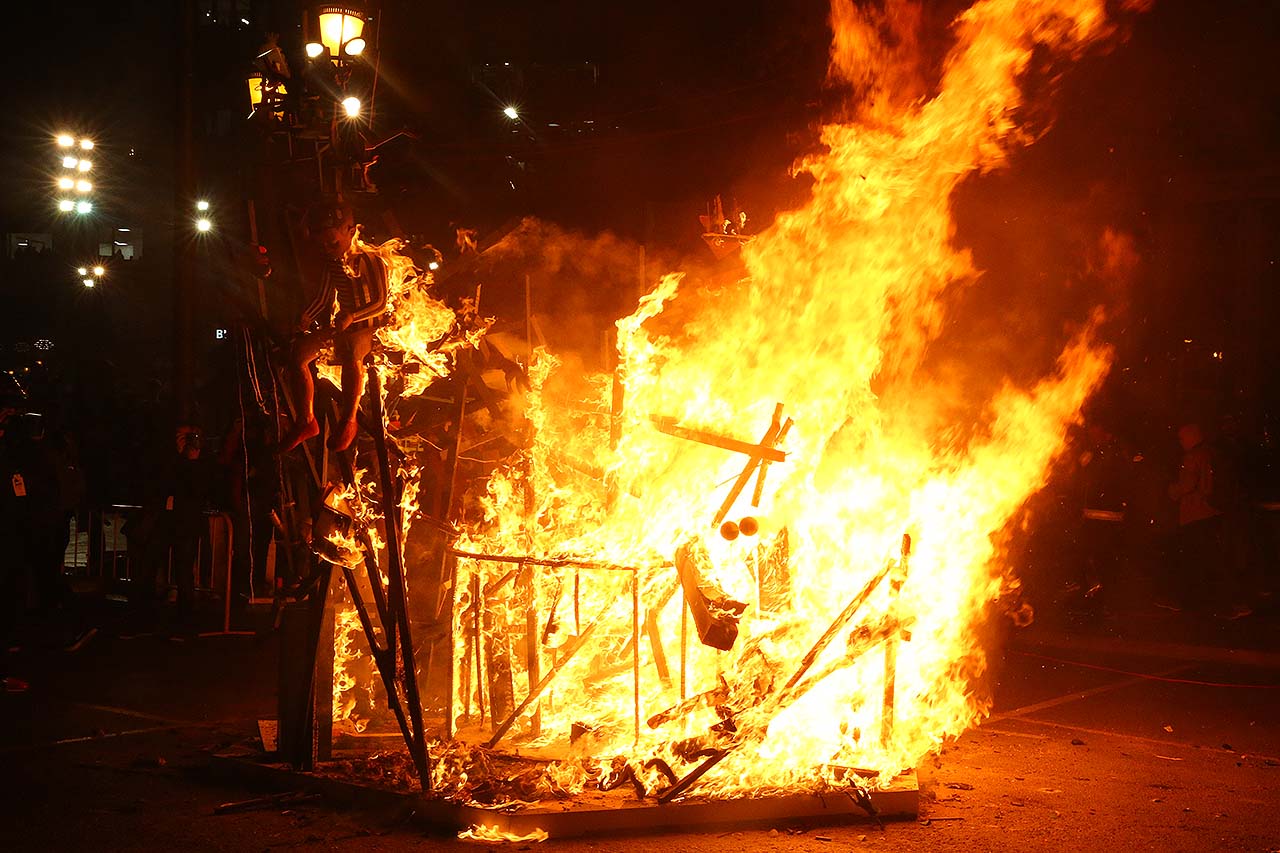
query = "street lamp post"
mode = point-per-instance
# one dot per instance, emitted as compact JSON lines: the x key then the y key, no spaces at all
{"x":336,"y":31}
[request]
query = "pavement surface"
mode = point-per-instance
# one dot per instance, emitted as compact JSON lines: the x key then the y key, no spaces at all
{"x":1097,"y":740}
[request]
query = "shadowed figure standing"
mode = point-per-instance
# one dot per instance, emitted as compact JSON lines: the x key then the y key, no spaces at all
{"x":358,"y":281}
{"x":1198,"y":544}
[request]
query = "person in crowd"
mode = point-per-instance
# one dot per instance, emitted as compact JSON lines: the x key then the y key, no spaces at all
{"x":1236,"y":486}
{"x":170,"y":528}
{"x":1197,"y":548}
{"x":11,"y":586}
{"x":1105,"y":480}
{"x":254,"y":483}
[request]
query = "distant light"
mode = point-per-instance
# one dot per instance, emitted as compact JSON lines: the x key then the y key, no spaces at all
{"x":82,"y":271}
{"x":84,"y":207}
{"x":352,"y":106}
{"x":314,"y":49}
{"x":433,"y":265}
{"x":355,"y":47}
{"x":511,"y":113}
{"x":86,"y":144}
{"x":70,"y":162}
{"x":203,"y":225}
{"x":66,"y":183}
{"x":84,"y":166}
{"x":244,"y":21}
{"x":83,"y":186}
{"x":65,"y":141}
{"x":202,"y":205}
{"x":88,"y":282}
{"x":99,"y":271}
{"x":66,"y":205}
{"x":125,"y":230}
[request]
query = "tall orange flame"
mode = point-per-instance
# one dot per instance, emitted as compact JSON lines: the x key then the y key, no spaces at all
{"x":843,"y":298}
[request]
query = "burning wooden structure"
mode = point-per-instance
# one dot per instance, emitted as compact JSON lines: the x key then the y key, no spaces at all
{"x":615,"y":604}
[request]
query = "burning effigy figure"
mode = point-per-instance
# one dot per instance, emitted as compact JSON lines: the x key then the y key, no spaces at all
{"x":357,"y":280}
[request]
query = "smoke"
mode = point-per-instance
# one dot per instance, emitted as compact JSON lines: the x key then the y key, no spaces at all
{"x":579,"y":284}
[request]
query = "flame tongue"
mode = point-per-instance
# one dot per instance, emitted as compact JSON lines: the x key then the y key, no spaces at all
{"x":844,"y":297}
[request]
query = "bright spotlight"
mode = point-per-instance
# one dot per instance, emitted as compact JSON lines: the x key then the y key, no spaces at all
{"x":352,"y":106}
{"x":88,"y":282}
{"x":69,"y":162}
{"x":66,"y":205}
{"x":66,"y":184}
{"x":314,"y":49}
{"x":83,"y":186}
{"x":84,"y":207}
{"x":82,"y":271}
{"x":203,"y":225}
{"x":99,"y":271}
{"x":65,"y":140}
{"x":202,"y":205}
{"x":511,"y":113}
{"x":84,"y":165}
{"x":86,"y":144}
{"x":355,"y":47}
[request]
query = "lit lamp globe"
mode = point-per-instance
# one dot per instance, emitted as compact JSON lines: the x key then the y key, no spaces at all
{"x":335,"y":31}
{"x":255,"y":81}
{"x":265,"y":93}
{"x":352,"y":106}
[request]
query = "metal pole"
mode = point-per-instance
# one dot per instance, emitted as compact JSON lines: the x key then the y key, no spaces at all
{"x":476,"y":596}
{"x":635,"y":649}
{"x":891,"y":644}
{"x":533,"y":656}
{"x":184,"y":192}
{"x":450,"y":720}
{"x":684,"y":646}
{"x":397,"y":594}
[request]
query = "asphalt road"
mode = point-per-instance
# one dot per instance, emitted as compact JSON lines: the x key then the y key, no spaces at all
{"x":1093,"y":743}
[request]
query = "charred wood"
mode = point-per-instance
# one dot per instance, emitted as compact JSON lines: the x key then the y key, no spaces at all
{"x":715,"y":614}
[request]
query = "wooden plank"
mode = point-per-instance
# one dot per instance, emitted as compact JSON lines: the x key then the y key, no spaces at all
{"x":724,"y":442}
{"x":715,"y":615}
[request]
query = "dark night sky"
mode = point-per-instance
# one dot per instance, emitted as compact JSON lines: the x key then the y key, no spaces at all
{"x":1171,"y":136}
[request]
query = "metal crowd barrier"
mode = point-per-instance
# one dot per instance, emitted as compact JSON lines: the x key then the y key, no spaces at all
{"x":98,"y":548}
